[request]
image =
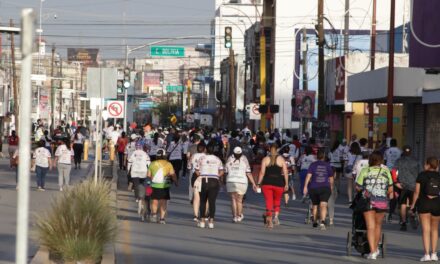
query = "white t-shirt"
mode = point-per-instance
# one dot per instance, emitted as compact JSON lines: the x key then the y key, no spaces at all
{"x":130,"y":148}
{"x":41,"y":156}
{"x":237,"y":169}
{"x":153,"y":147}
{"x":175,"y":150}
{"x":293,"y":151}
{"x":139,"y":164}
{"x":306,"y":161}
{"x":79,"y":140}
{"x":210,"y":166}
{"x":195,"y":158}
{"x":391,"y":156}
{"x":114,"y":136}
{"x":64,"y":154}
{"x":335,"y":158}
{"x":359,"y":165}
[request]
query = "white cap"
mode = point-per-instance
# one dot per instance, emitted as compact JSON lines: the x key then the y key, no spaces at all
{"x":237,"y":150}
{"x":134,"y":136}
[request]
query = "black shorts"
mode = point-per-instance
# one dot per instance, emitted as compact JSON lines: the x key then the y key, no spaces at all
{"x":160,"y":194}
{"x":405,"y":195}
{"x":320,"y":195}
{"x":429,"y":206}
{"x":338,"y":170}
{"x":193,"y":179}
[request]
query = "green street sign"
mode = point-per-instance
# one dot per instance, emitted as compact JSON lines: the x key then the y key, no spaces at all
{"x":167,"y":51}
{"x":383,"y":120}
{"x":175,"y":88}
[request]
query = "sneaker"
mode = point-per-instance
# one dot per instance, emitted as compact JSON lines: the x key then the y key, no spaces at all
{"x":403,"y":227}
{"x":322,"y":226}
{"x":330,"y":222}
{"x":293,"y":197}
{"x":61,"y":189}
{"x":137,"y":200}
{"x":425,"y":258}
{"x":153,"y":218}
{"x":210,"y":225}
{"x":276,"y":221}
{"x":434,"y":257}
{"x":315,"y":225}
{"x":235,"y":219}
{"x":162,"y":221}
{"x":195,"y":219}
{"x":240,"y":218}
{"x":201,"y":224}
{"x":42,"y":189}
{"x":372,"y":256}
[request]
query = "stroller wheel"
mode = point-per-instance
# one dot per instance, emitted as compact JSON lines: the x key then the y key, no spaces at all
{"x":349,"y":243}
{"x":383,"y":246}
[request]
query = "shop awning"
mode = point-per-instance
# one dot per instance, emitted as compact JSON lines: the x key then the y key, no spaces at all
{"x":372,"y":86}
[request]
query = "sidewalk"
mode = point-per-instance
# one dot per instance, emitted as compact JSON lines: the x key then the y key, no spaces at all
{"x":39,"y":202}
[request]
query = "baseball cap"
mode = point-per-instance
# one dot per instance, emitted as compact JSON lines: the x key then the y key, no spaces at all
{"x":134,"y":136}
{"x":160,"y":152}
{"x":237,"y":150}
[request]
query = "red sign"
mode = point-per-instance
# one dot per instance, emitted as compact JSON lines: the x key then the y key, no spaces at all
{"x":115,"y":109}
{"x":340,"y":80}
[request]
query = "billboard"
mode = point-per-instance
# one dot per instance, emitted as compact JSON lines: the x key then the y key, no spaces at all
{"x":151,"y":81}
{"x":426,"y":32}
{"x":303,"y":104}
{"x":340,"y":80}
{"x":89,"y":57}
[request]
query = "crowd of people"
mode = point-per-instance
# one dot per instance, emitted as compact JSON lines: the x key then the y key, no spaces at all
{"x":281,"y":166}
{"x":269,"y":163}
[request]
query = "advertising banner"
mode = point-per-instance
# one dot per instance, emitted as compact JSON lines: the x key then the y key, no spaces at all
{"x":303,"y":104}
{"x":340,"y":80}
{"x":151,"y":81}
{"x":89,"y":57}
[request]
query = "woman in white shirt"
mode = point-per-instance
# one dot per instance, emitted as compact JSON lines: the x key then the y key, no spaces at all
{"x":354,"y":155}
{"x":138,"y":164}
{"x":63,"y":157}
{"x":175,"y":153}
{"x":304,"y":163}
{"x":78,"y":147}
{"x":43,"y":164}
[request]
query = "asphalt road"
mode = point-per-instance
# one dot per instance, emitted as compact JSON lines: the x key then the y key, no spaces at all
{"x":180,"y":241}
{"x":39,"y":202}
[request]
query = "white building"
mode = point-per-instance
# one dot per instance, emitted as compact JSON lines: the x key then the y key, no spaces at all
{"x":293,"y":15}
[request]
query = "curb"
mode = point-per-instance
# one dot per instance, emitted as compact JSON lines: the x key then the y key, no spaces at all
{"x":108,"y":256}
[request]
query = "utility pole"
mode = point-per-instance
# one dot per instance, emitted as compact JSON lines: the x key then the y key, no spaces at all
{"x":263,"y":77}
{"x":321,"y":96}
{"x":52,"y":91}
{"x":304,"y":60}
{"x":61,"y":89}
{"x":233,"y":98}
{"x":14,"y":81}
{"x":390,"y":96}
{"x":373,"y":65}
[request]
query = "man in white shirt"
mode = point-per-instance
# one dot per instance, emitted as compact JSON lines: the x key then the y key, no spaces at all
{"x":43,"y":164}
{"x":138,"y":164}
{"x":392,"y":154}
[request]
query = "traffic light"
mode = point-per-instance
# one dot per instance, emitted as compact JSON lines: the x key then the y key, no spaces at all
{"x":262,"y":109}
{"x":274,"y":109}
{"x":120,"y":86}
{"x":127,"y":83}
{"x":228,"y":37}
{"x":161,"y":78}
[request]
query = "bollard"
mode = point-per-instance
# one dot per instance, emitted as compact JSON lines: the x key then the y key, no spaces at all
{"x":112,"y":152}
{"x":86,"y":149}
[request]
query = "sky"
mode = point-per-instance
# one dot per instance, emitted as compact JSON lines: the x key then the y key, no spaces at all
{"x":110,"y":24}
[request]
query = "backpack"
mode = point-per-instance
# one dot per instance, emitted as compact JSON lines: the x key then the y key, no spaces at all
{"x":432,"y":187}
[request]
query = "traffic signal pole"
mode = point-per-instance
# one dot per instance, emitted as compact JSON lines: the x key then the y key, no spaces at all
{"x":125,"y":92}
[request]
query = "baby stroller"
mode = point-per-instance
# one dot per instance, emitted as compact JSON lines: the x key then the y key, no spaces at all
{"x":357,"y":237}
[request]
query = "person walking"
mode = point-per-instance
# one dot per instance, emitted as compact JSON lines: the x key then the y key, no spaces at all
{"x":175,"y":153}
{"x":238,"y":173}
{"x":426,"y":201}
{"x":43,"y":163}
{"x":153,"y":145}
{"x":12,"y":146}
{"x":129,"y":149}
{"x":78,"y":148}
{"x":138,"y":162}
{"x":304,"y":163}
{"x":319,"y":183}
{"x":63,"y":157}
{"x":273,"y":179}
{"x":194,"y":193}
{"x":161,"y":173}
{"x":407,"y":170}
{"x":210,"y":171}
{"x":353,"y":156}
{"x":121,"y":144}
{"x":376,"y":185}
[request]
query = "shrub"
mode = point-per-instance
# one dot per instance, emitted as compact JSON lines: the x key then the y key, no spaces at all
{"x":79,"y":223}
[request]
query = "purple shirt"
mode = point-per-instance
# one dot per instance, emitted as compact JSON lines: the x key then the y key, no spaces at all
{"x":321,"y":172}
